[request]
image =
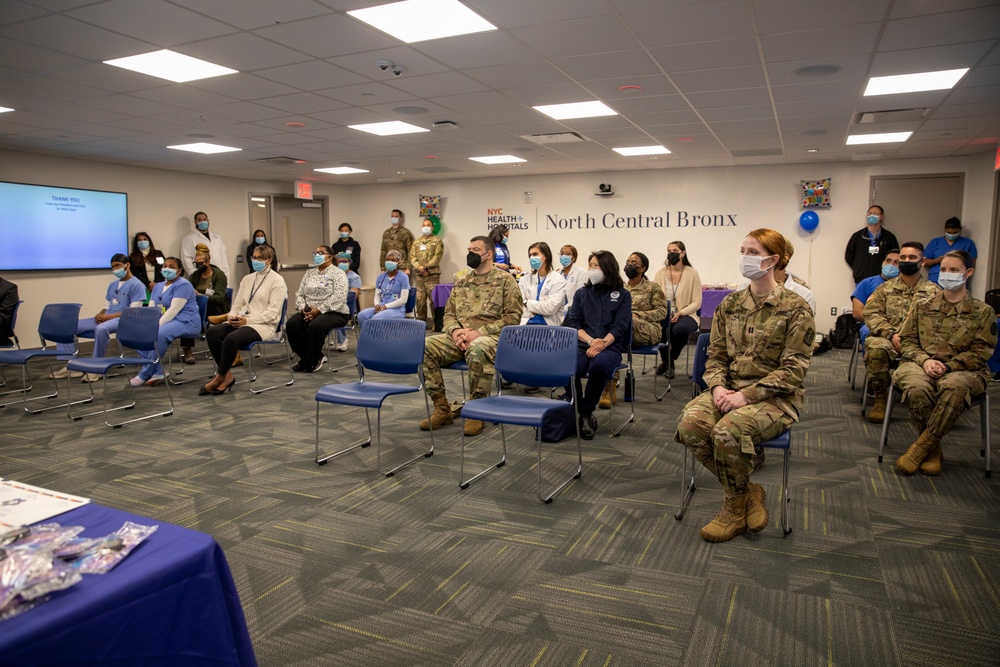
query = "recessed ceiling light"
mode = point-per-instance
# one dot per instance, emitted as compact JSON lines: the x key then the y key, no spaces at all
{"x":497,"y":159}
{"x":420,"y":20}
{"x":206,"y":149}
{"x":883,"y":138}
{"x":812,"y":150}
{"x":171,"y":66}
{"x":388,"y":128}
{"x":914,"y":83}
{"x":576,"y":110}
{"x":641,"y":150}
{"x":5,"y":109}
{"x":342,"y":170}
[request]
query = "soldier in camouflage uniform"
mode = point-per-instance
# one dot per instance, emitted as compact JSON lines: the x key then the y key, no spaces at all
{"x":761,"y":346}
{"x":884,"y":313}
{"x":425,"y":266}
{"x":483,"y":302}
{"x":399,"y":238}
{"x":946,"y":341}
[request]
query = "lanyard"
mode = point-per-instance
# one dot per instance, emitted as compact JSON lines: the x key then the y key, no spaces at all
{"x":392,"y":282}
{"x":253,"y":290}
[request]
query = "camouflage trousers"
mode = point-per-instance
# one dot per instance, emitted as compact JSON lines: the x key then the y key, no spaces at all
{"x":645,"y":333}
{"x":879,"y":355}
{"x":936,"y":404}
{"x":424,"y":286}
{"x":724,"y":443}
{"x":440,"y":350}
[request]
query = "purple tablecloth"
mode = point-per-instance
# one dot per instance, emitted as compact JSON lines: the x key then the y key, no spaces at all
{"x":440,"y":294}
{"x":710,"y":300}
{"x":172,"y":601}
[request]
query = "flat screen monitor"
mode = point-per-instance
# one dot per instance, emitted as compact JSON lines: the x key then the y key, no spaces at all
{"x":47,"y":228}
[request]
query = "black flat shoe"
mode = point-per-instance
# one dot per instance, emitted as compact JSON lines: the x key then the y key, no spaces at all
{"x":588,"y":425}
{"x":222,"y":390}
{"x":661,"y":368}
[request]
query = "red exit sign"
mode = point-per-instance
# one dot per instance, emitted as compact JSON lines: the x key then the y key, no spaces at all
{"x":996,"y":166}
{"x":303,"y":190}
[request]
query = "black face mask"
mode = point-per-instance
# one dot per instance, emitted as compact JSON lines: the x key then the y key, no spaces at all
{"x":201,"y":267}
{"x":909,"y":268}
{"x":473,"y":260}
{"x":673,"y":258}
{"x":631,"y":270}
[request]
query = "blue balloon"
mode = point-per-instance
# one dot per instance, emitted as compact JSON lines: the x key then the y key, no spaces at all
{"x":809,"y":221}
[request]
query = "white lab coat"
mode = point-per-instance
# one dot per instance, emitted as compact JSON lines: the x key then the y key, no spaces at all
{"x":549,"y":304}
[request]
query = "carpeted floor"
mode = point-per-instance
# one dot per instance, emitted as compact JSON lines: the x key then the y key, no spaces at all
{"x":337,"y":565}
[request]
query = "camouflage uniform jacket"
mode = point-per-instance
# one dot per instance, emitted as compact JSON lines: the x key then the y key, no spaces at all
{"x":648,"y":301}
{"x":962,"y":335}
{"x":400,"y":238}
{"x":762,"y":350}
{"x":485,"y":303}
{"x":427,"y":252}
{"x":888,"y":305}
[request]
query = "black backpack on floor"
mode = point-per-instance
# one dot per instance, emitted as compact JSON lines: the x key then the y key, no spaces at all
{"x":843,"y":332}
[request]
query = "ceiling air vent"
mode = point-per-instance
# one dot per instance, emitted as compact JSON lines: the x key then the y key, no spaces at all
{"x":281,"y":160}
{"x":889,"y":115}
{"x":555,"y":138}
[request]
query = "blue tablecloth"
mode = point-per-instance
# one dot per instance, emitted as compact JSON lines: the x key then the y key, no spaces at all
{"x":172,"y":601}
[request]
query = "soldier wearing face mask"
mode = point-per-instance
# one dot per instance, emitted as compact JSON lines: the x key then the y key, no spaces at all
{"x":397,"y":237}
{"x":868,"y":247}
{"x":425,"y":266}
{"x":884,"y":313}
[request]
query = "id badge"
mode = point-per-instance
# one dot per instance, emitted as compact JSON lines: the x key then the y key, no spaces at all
{"x":423,"y":247}
{"x":114,"y":302}
{"x":209,"y":292}
{"x":873,"y":250}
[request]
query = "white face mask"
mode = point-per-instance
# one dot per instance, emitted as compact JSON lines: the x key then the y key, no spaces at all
{"x":595,"y":276}
{"x":427,"y":231}
{"x":750,"y":266}
{"x":951,"y":281}
{"x":394,"y":221}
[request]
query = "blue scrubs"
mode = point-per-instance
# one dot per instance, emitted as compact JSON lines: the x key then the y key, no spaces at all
{"x":186,"y":323}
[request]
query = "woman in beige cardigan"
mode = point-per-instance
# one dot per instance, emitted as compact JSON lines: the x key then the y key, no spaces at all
{"x":682,"y":286}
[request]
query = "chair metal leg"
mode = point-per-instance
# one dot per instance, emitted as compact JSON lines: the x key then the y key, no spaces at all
{"x":864,"y":394}
{"x":464,"y":483}
{"x":785,"y":496}
{"x":687,"y":487}
{"x":26,"y":382}
{"x":885,"y":422}
{"x":984,"y":419}
{"x":364,"y":443}
{"x":547,"y":498}
{"x":629,"y":378}
{"x":253,"y":376}
{"x":378,"y":443}
{"x":106,"y":410}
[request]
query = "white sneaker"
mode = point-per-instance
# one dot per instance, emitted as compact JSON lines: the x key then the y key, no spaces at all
{"x":319,"y":365}
{"x":91,"y":377}
{"x":59,"y":374}
{"x":155,"y":380}
{"x":342,"y":347}
{"x":137,"y":381}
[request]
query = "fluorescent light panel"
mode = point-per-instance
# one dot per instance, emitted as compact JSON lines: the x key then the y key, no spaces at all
{"x":5,"y":109}
{"x":389,"y":128}
{"x":340,"y":171}
{"x":576,"y":110}
{"x":206,"y":149}
{"x":171,"y":66}
{"x":497,"y":159}
{"x":914,"y":83}
{"x":421,"y":20}
{"x":884,"y":138}
{"x":641,"y":150}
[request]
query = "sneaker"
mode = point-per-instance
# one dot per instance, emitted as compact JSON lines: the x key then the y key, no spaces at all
{"x":137,"y":381}
{"x":342,"y":347}
{"x":91,"y":377}
{"x":319,"y":364}
{"x":297,"y":368}
{"x":59,"y":374}
{"x":155,"y":380}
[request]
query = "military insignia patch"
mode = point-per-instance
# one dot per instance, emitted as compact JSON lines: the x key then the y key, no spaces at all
{"x":810,"y":337}
{"x":993,"y":329}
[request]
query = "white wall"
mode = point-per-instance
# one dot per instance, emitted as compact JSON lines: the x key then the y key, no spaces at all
{"x":162,"y":202}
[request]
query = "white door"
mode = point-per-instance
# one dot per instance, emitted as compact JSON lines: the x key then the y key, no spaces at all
{"x":917,"y":206}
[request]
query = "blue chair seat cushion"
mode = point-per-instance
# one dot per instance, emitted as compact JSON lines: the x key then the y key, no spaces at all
{"x":361,"y":394}
{"x":458,"y":366}
{"x":261,"y":342}
{"x":102,"y":365}
{"x":648,"y":349}
{"x":783,"y":441}
{"x":20,"y":357}
{"x":517,"y":410}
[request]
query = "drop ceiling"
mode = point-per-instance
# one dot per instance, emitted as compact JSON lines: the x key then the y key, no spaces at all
{"x":717,"y":82}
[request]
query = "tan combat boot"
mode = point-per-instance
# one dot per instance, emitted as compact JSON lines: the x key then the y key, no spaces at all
{"x":473,"y":426}
{"x":757,"y":516}
{"x":730,"y":522}
{"x":877,"y":413}
{"x":932,"y":464}
{"x":610,"y":395}
{"x":910,"y":462}
{"x":440,"y":416}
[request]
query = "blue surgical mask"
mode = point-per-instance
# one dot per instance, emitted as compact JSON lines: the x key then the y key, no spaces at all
{"x":258,"y":265}
{"x":344,"y":266}
{"x":119,"y":273}
{"x":394,"y":220}
{"x":889,"y":271}
{"x":202,"y":226}
{"x":345,"y":235}
{"x":169,"y":273}
{"x":950,"y":237}
{"x":260,"y":240}
{"x":872,"y":219}
{"x":504,"y":240}
{"x":390,"y":265}
{"x":565,"y":260}
{"x":318,"y":259}
{"x":535,"y":262}
{"x":142,"y":245}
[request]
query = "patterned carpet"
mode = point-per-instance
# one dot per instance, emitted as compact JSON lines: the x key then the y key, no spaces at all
{"x":337,"y":565}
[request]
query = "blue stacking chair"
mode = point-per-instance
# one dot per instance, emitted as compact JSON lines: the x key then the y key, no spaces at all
{"x":646,"y":351}
{"x":535,"y":356}
{"x":202,"y":301}
{"x":56,"y":325}
{"x":395,"y":347}
{"x":280,"y":340}
{"x":137,"y":330}
{"x":15,"y":344}
{"x":411,"y":304}
{"x":352,"y":325}
{"x":462,"y":367}
{"x":782,"y":442}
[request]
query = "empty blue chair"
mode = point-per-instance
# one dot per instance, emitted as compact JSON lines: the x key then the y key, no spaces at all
{"x":352,"y":325}
{"x":782,"y":442}
{"x":392,"y":346}
{"x":202,"y":301}
{"x":280,"y":340}
{"x":536,"y":356}
{"x":137,"y":330}
{"x":411,"y":304}
{"x":56,"y":325}
{"x":14,"y":344}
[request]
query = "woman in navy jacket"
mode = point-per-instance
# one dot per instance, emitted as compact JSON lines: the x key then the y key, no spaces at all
{"x":601,"y":314}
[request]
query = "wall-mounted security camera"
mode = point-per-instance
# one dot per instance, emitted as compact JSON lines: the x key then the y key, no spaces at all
{"x":384,"y":65}
{"x":398,"y":70}
{"x":604,"y":190}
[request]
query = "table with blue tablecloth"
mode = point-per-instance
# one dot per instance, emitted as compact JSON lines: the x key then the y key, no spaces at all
{"x":172,"y":601}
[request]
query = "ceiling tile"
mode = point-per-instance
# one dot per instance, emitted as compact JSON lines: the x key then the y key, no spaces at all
{"x":15,"y":11}
{"x":244,"y":52}
{"x":553,"y":94}
{"x":488,"y":100}
{"x":609,"y":90}
{"x":76,"y":38}
{"x":247,"y":15}
{"x":943,"y":28}
{"x":534,"y":73}
{"x":300,"y":103}
{"x":816,"y":91}
{"x":729,"y":98}
{"x":651,"y":104}
{"x":568,"y":38}
{"x":686,"y":24}
{"x":821,"y":43}
{"x":311,"y":75}
{"x":109,"y":79}
{"x":791,"y":15}
{"x":952,"y":56}
{"x":242,"y":87}
{"x":183,"y":95}
{"x":515,"y":13}
{"x":621,"y":65}
{"x":30,"y":58}
{"x":851,"y":67}
{"x":128,"y":105}
{"x":478,"y":50}
{"x":719,"y":79}
{"x":247,"y":112}
{"x":366,"y":93}
{"x":708,"y":55}
{"x":749,"y":112}
{"x":328,"y":36}
{"x":155,"y":22}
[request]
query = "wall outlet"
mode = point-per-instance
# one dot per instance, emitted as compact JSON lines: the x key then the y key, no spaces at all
{"x":833,"y":311}
{"x":239,"y":259}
